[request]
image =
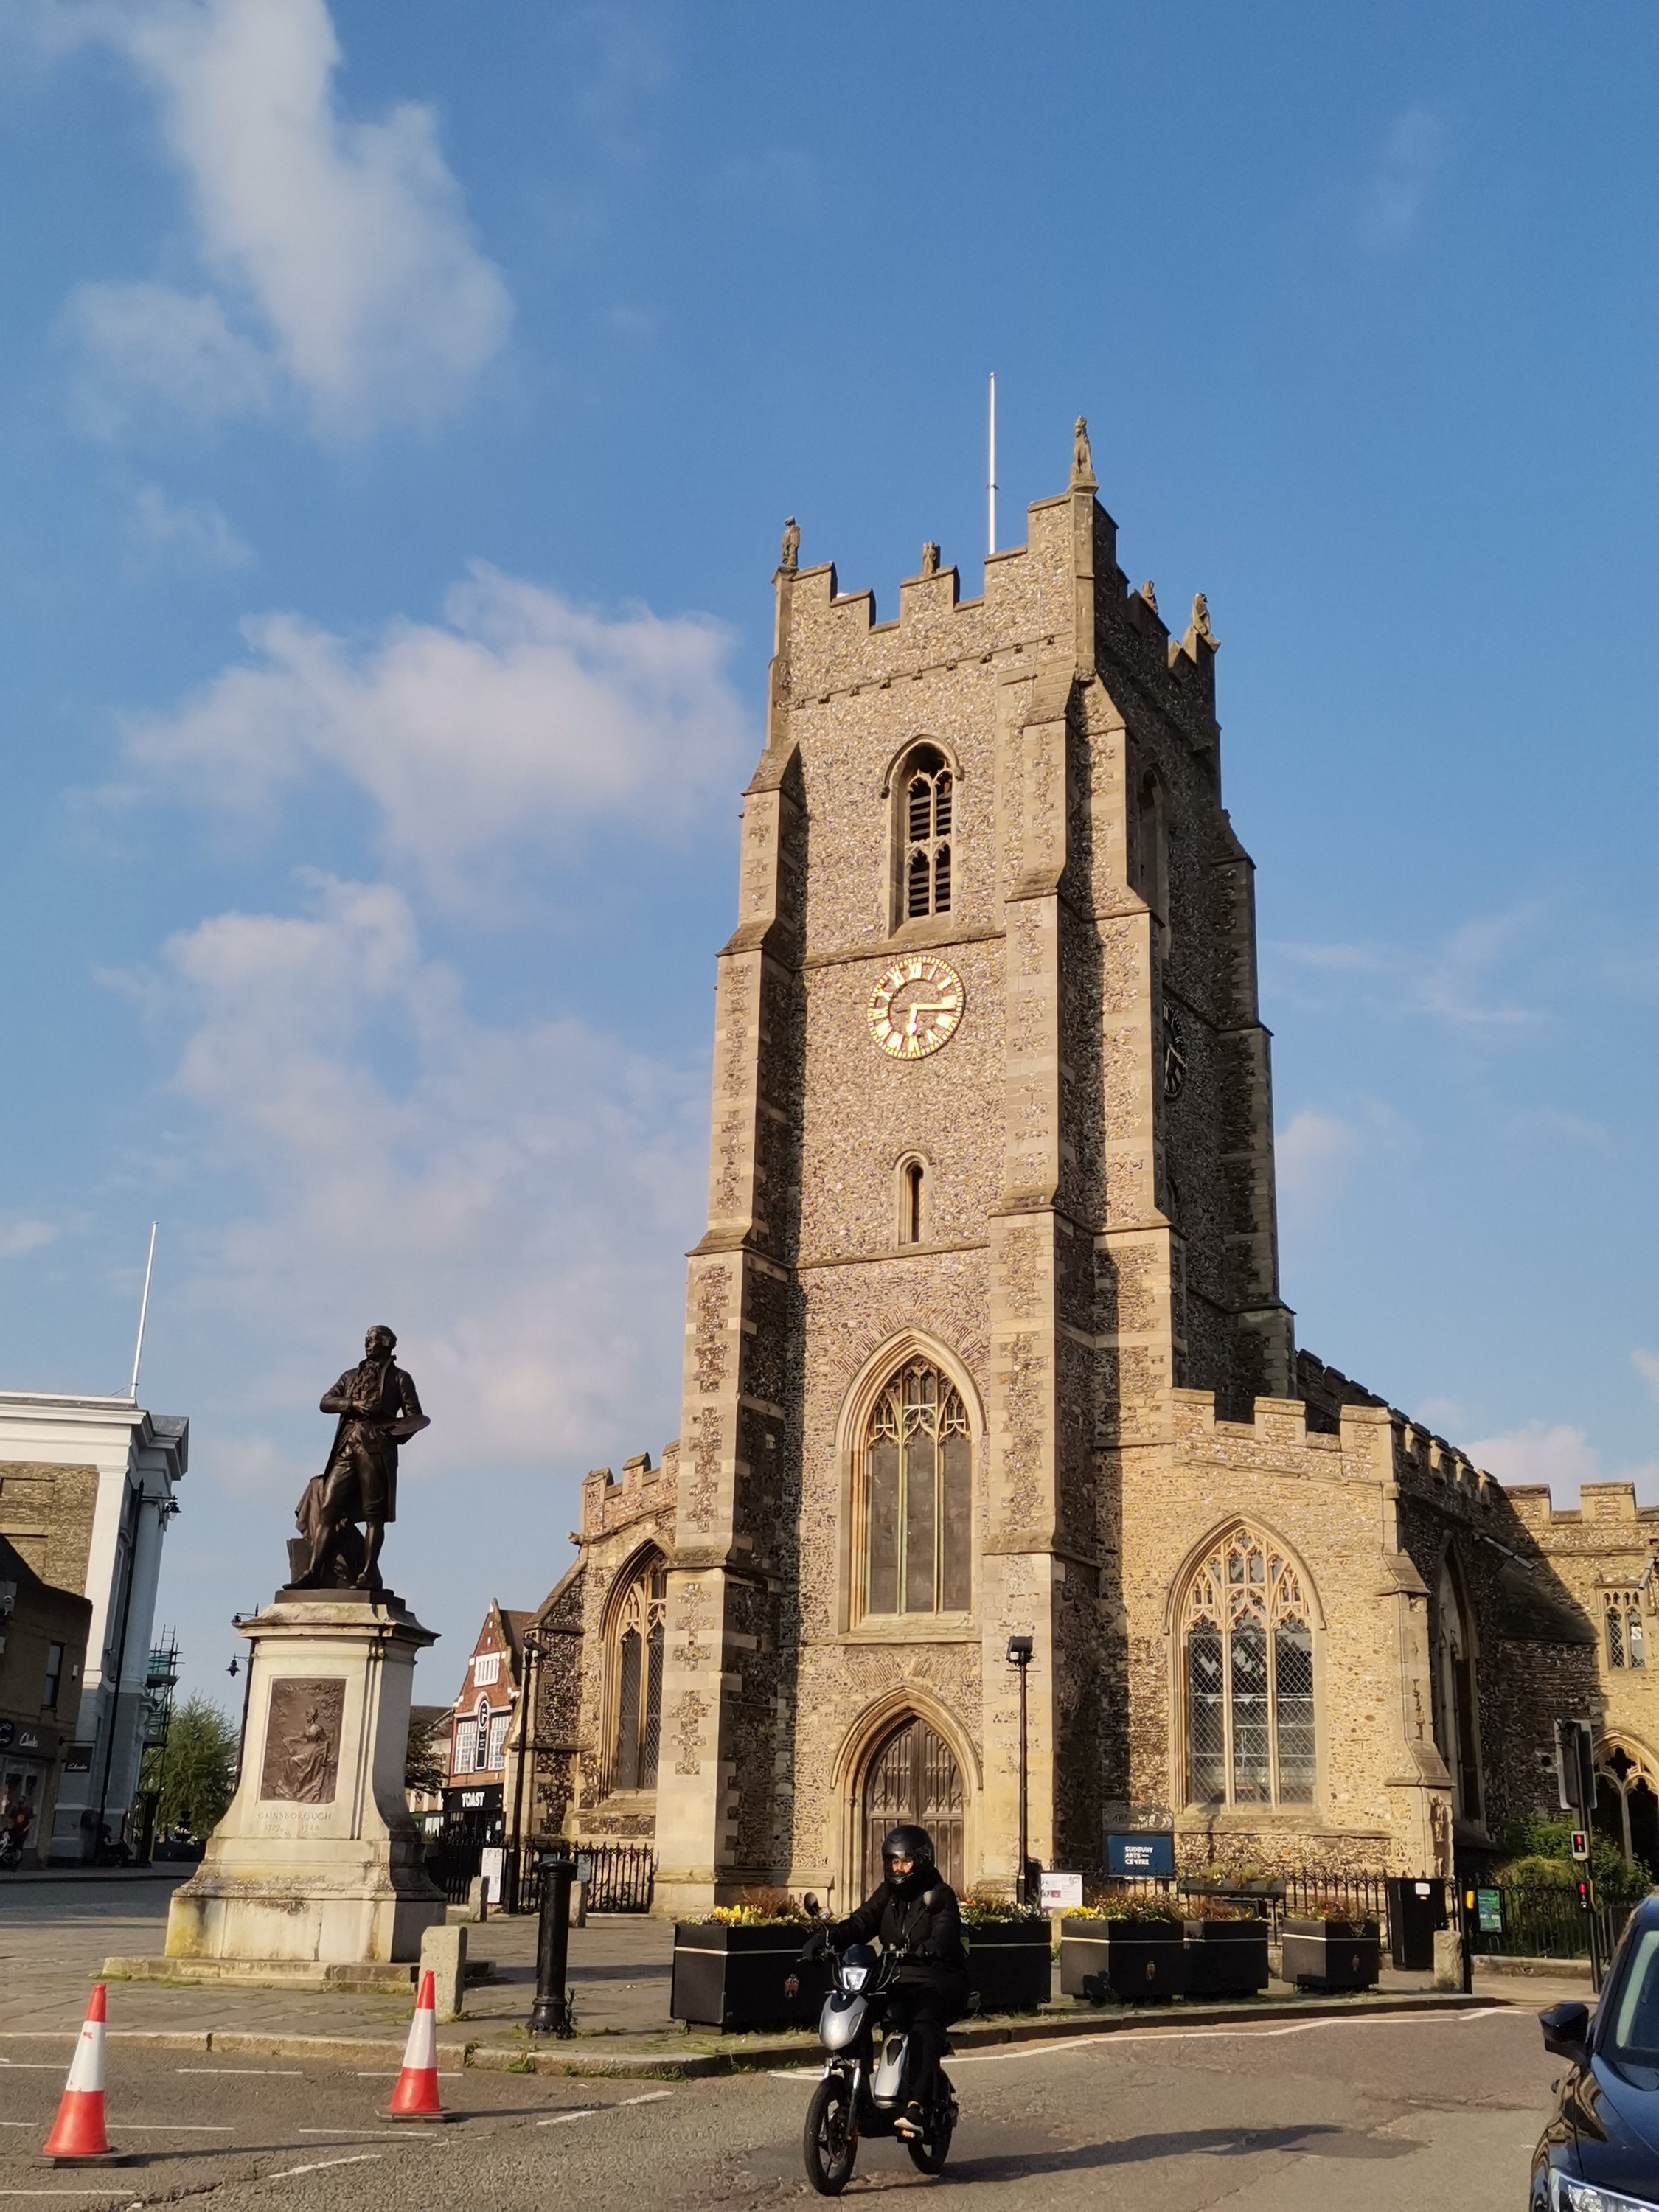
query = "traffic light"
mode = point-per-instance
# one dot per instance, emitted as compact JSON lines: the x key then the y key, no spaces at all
{"x":1575,"y":1769}
{"x":1583,"y":1889}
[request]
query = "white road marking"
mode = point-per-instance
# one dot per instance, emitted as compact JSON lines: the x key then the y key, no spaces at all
{"x":1108,"y":2040}
{"x":325,"y":2164}
{"x":121,"y":2191}
{"x":173,"y":2127}
{"x":31,"y":2065}
{"x":589,"y":2111}
{"x":1204,"y":2034}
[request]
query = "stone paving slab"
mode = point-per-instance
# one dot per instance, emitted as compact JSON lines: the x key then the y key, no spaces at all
{"x":55,"y":1936}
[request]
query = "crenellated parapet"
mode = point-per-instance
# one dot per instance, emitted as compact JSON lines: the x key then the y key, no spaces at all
{"x":1027,"y":609}
{"x":1606,"y":1517}
{"x":610,"y":1503}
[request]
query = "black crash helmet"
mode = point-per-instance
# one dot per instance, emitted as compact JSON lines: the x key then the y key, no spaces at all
{"x":907,"y":1842}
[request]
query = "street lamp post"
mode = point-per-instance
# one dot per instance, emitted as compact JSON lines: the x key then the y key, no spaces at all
{"x":551,"y":2015}
{"x":532,"y":1652}
{"x":1019,"y":1654}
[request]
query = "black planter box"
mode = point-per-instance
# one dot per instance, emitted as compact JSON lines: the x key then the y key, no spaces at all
{"x":1330,"y":1954}
{"x":730,"y":1977}
{"x":1129,"y":1960}
{"x":1011,"y":1964}
{"x":1225,"y":1958}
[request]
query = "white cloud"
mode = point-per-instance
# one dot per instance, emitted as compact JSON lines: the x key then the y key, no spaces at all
{"x":1312,"y":1156}
{"x":1646,"y":1365}
{"x":514,"y":1203}
{"x":516,"y":717}
{"x":195,"y":534}
{"x":1454,"y":982}
{"x":1554,"y":1454}
{"x":1404,"y":176}
{"x":343,"y":243}
{"x":147,"y":350}
{"x":19,"y":1236}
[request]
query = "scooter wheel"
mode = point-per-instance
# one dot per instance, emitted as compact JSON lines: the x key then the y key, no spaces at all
{"x":830,"y":2141}
{"x":929,"y":2152}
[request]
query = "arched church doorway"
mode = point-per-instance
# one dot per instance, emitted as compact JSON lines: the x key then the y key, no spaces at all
{"x":1626,"y":1807}
{"x":913,"y":1776}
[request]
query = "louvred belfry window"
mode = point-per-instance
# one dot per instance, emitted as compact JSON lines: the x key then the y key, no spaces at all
{"x":636,"y":1642}
{"x":1249,"y":1653}
{"x":918,"y":1497}
{"x":928,"y":801}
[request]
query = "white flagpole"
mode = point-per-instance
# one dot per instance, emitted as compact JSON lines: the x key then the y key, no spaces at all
{"x":991,"y":479}
{"x":144,"y":1310}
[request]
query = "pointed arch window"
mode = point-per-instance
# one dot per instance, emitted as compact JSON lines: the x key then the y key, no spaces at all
{"x":1247,"y":1641}
{"x":917,"y":1498}
{"x":636,"y":1673}
{"x":926,"y":793}
{"x":1628,"y":1644}
{"x":1456,"y":1710}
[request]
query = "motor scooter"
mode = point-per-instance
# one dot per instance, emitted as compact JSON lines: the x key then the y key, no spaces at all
{"x":862,"y":2090}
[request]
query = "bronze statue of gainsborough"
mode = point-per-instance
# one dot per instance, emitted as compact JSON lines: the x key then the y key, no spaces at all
{"x":378,"y":1410}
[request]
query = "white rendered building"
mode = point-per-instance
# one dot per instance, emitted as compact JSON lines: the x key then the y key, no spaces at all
{"x":86,"y":1492}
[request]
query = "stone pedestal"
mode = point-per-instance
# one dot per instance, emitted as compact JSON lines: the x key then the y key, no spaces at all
{"x":318,"y":1857}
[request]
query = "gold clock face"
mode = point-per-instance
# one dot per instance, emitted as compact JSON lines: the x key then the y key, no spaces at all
{"x":916,"y":1007}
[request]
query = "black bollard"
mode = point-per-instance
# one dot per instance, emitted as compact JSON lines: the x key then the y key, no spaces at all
{"x":551,"y":2014}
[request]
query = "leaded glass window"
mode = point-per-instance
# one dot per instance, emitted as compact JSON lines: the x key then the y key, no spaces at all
{"x":927,"y":800}
{"x":1249,"y":1647}
{"x":1622,"y":1612}
{"x":637,"y":1675}
{"x":918,"y":1497}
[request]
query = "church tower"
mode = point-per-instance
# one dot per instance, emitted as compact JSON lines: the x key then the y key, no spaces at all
{"x":991,"y":1197}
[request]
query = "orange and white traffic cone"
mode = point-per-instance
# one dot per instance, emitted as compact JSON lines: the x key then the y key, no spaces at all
{"x":77,"y":2136}
{"x":415,"y":2097}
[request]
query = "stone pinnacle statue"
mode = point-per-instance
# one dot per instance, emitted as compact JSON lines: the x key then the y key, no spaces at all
{"x":378,"y":1410}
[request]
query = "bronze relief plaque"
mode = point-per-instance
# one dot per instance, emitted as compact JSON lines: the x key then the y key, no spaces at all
{"x":302,"y":1740}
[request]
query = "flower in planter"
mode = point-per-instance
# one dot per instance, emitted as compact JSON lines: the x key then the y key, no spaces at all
{"x":993,"y":1911}
{"x":1136,"y":1912}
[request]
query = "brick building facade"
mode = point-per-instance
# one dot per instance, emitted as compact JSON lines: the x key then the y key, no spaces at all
{"x":985,"y":1336}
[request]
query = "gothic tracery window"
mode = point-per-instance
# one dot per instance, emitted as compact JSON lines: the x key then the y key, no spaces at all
{"x":1621,"y":1611}
{"x":926,"y":798}
{"x":635,"y":1666}
{"x":1247,"y":1646}
{"x":917,"y":1496}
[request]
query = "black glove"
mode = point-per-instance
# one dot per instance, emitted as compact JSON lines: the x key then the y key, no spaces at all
{"x":815,"y":1945}
{"x":926,"y":1951}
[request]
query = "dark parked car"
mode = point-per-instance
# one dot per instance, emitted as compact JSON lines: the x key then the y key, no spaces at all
{"x":1601,"y":2150}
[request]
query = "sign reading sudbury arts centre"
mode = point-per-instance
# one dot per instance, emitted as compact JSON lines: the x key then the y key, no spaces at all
{"x":302,"y":1740}
{"x":1149,"y":1852}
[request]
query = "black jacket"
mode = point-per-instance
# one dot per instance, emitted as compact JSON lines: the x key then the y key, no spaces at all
{"x":927,"y":1925}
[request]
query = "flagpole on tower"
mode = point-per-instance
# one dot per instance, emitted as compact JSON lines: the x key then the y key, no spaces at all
{"x":991,"y":476}
{"x":143,"y":1314}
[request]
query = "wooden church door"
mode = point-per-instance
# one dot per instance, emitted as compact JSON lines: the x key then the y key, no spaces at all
{"x":914,"y":1777}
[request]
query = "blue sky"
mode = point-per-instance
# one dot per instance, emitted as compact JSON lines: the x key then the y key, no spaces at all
{"x":397,"y":411}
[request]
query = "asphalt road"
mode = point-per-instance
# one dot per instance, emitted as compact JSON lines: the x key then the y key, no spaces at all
{"x":1369,"y":2114}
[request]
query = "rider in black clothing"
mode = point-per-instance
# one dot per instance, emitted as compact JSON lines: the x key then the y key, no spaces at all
{"x":915,"y":1907}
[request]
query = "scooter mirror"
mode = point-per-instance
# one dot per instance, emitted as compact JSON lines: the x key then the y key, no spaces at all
{"x":814,"y":1911}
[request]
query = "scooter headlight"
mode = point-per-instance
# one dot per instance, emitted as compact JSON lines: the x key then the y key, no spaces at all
{"x":855,"y":1978}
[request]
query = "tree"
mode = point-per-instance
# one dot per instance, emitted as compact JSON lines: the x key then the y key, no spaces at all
{"x":426,"y":1764}
{"x":195,"y":1772}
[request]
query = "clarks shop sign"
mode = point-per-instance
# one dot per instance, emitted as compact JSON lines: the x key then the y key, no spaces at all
{"x":26,"y":1739}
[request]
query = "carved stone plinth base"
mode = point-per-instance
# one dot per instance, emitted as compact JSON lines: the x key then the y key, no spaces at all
{"x":318,"y":1857}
